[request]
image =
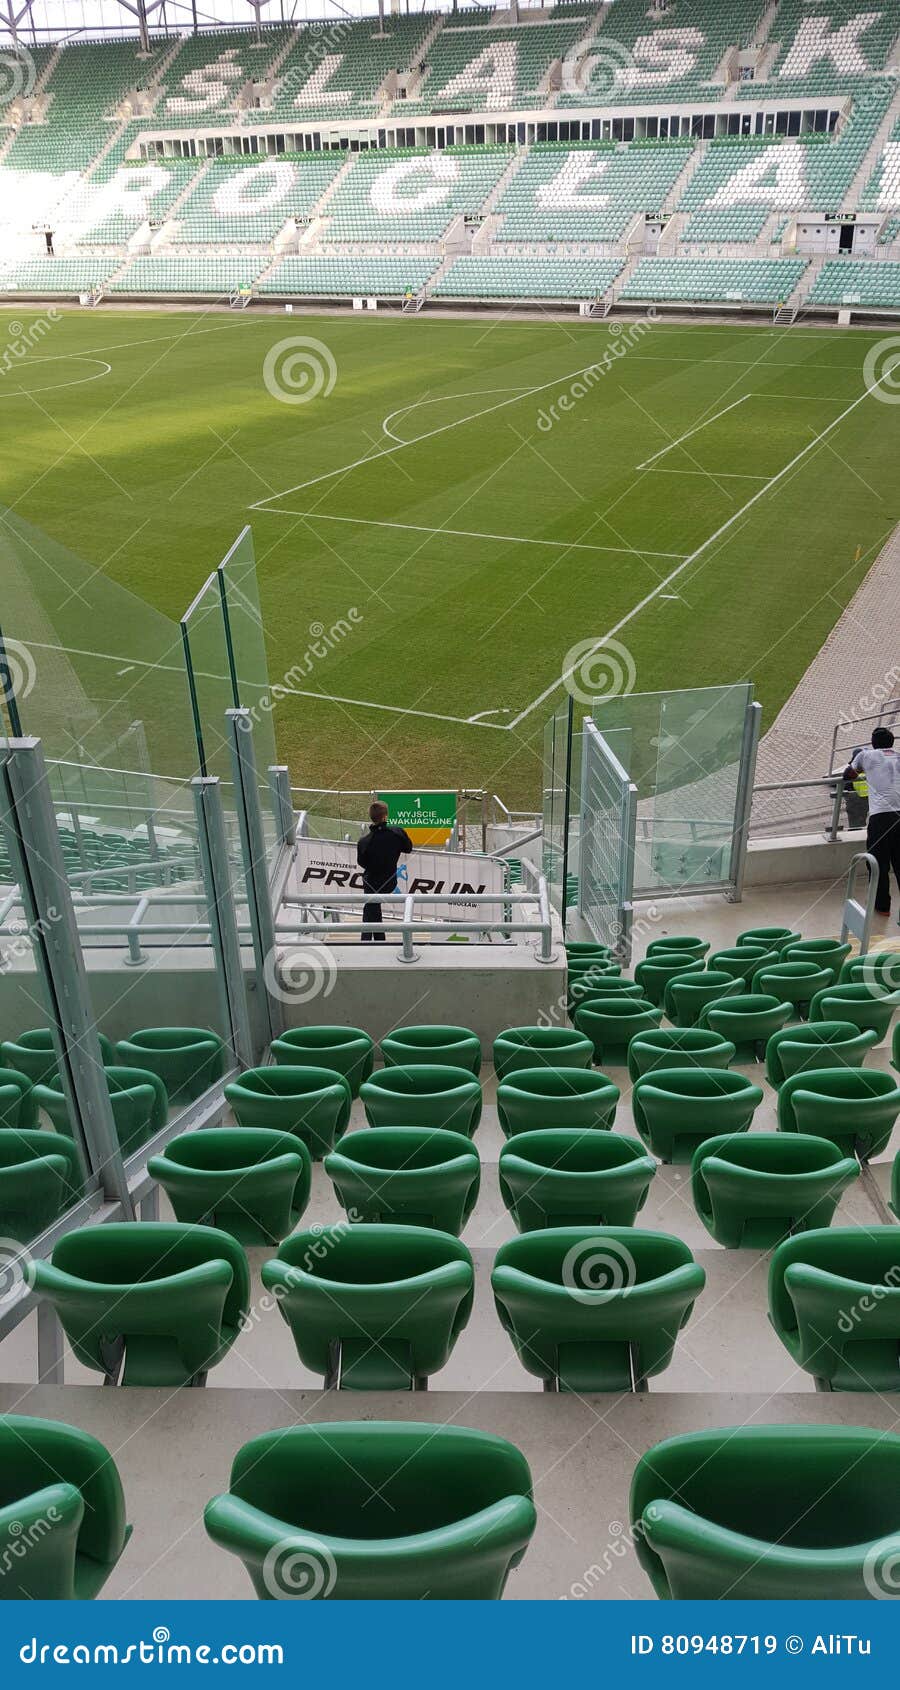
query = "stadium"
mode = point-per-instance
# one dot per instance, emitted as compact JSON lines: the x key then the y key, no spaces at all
{"x":449,"y":817}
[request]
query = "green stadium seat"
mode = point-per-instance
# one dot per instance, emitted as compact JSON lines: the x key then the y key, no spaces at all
{"x":826,"y":953}
{"x":157,"y":1301}
{"x":770,"y":938}
{"x":34,"y":1055}
{"x":449,"y":1047}
{"x":595,"y":1309}
{"x":687,"y":994}
{"x":425,"y":1095}
{"x":748,"y":1021}
{"x":820,"y":1044}
{"x":856,"y":1002}
{"x":250,"y":1182}
{"x":415,"y":1176}
{"x":18,"y":1105}
{"x":834,"y":1301}
{"x":572,"y":1177}
{"x":140,"y":1105}
{"x":743,"y":961}
{"x":523,"y":1047}
{"x":855,"y":1108}
{"x":62,"y":1516}
{"x":611,"y":1023}
{"x":188,"y":1060}
{"x":533,"y":1098}
{"x":374,"y":1308}
{"x":751,"y":1512}
{"x":677,"y":1109}
{"x":376,"y":1510}
{"x":795,"y":983}
{"x":347,"y":1050}
{"x":654,"y":973}
{"x":313,"y":1103}
{"x":684,"y":943}
{"x":754,"y":1189}
{"x":678,"y":1047}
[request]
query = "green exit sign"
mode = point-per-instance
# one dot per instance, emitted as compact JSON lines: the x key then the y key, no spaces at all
{"x":420,"y":813}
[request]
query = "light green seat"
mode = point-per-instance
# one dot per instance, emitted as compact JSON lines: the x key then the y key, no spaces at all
{"x":62,"y":1512}
{"x":834,"y":1301}
{"x":587,"y":948}
{"x":595,"y":1309}
{"x":857,"y":1003}
{"x":313,"y":1103}
{"x":685,"y":944}
{"x":40,"y":1175}
{"x":375,"y":1308}
{"x":584,"y":988}
{"x":158,"y":1301}
{"x":825,"y":953}
{"x":820,"y":1044}
{"x":449,"y":1047}
{"x":416,"y":1176}
{"x":753,"y":1189}
{"x":534,"y":1098}
{"x":34,"y":1055}
{"x":188,"y":1060}
{"x":425,"y":1095}
{"x":574,"y":1177}
{"x":678,"y":1047}
{"x":676,"y":1109}
{"x":346,"y":1050}
{"x":748,"y":1021}
{"x":880,"y":970}
{"x":795,"y":983}
{"x":743,"y":961}
{"x":18,"y":1105}
{"x":612,"y":1023}
{"x":251,"y":1182}
{"x":655,"y":972}
{"x":752,"y":1513}
{"x":855,"y":1108}
{"x":523,"y":1047}
{"x":687,"y":994}
{"x":376,"y":1510}
{"x":140,"y":1105}
{"x":771,"y":938}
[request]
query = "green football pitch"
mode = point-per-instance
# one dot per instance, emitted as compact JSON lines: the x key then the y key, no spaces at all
{"x":460,"y":505}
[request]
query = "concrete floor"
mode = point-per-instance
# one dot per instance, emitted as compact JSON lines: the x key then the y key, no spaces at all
{"x":174,"y":1448}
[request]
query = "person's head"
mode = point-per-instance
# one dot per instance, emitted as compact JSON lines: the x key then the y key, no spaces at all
{"x":882,"y":739}
{"x":378,"y":813}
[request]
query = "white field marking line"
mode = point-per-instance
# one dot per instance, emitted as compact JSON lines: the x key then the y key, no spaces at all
{"x":54,"y":387}
{"x":692,"y":431}
{"x":442,"y":399}
{"x":474,"y":533}
{"x":401,"y":446}
{"x":709,"y":474}
{"x":868,"y":393}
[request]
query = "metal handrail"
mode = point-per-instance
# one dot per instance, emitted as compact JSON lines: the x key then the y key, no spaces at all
{"x":410,"y":902}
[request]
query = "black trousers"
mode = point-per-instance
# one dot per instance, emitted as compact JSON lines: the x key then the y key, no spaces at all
{"x":883,"y":840}
{"x":372,"y":912}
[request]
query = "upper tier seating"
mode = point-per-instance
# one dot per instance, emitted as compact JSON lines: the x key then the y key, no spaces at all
{"x":757,"y":282}
{"x":412,"y":196}
{"x":335,"y":69}
{"x":861,"y":283}
{"x":829,"y":46}
{"x":882,"y":191}
{"x":470,"y":67}
{"x":641,"y":55}
{"x":210,"y":71}
{"x":244,"y":199}
{"x":587,"y":193}
{"x":535,"y":278}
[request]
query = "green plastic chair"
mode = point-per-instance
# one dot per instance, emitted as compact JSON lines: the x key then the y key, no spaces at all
{"x":250,"y":1182}
{"x":795,"y":983}
{"x":416,"y":1176}
{"x":40,"y":1175}
{"x":820,"y":1044}
{"x":447,"y":1047}
{"x":156,"y":1301}
{"x":373,"y":1308}
{"x":62,"y":1512}
{"x":586,"y":988}
{"x":18,"y":1105}
{"x":312,"y":1103}
{"x":678,"y":1047}
{"x":524,"y":1047}
{"x":612,"y":1023}
{"x":855,"y":1108}
{"x":856,"y":1003}
{"x":825,"y":953}
{"x":188,"y":1060}
{"x":879,"y":970}
{"x":595,"y":1309}
{"x":687,"y":994}
{"x":771,"y":938}
{"x":140,"y":1105}
{"x":760,"y":1512}
{"x":748,"y":1021}
{"x":432,"y":1095}
{"x":596,"y":963}
{"x":586,"y":948}
{"x":685,"y":943}
{"x":345,"y":1050}
{"x":676,"y":1109}
{"x":535,"y":1098}
{"x":34,"y":1054}
{"x":834,"y":1301}
{"x":656,"y":972}
{"x":376,"y":1511}
{"x":743,"y":961}
{"x":753,"y":1190}
{"x":573,"y":1177}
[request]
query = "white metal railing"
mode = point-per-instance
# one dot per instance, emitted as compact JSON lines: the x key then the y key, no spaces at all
{"x":413,"y":908}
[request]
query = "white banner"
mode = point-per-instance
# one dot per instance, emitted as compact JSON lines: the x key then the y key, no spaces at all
{"x":329,"y":865}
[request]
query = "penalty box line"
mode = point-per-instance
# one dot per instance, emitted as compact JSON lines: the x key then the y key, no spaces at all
{"x":475,"y":534}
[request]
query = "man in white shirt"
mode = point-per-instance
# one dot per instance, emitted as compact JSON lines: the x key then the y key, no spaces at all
{"x":881,"y":767}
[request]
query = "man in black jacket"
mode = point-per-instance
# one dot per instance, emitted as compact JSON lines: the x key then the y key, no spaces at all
{"x":378,"y":853}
